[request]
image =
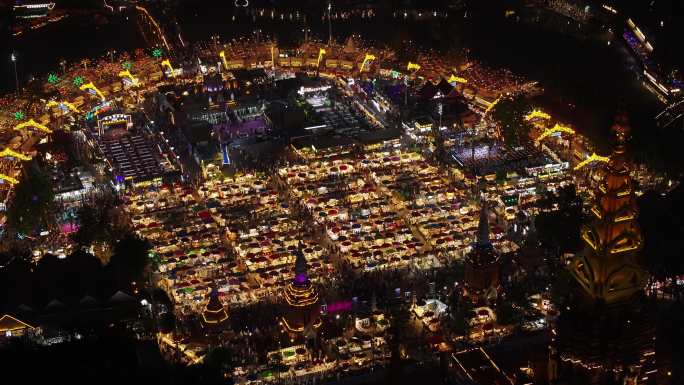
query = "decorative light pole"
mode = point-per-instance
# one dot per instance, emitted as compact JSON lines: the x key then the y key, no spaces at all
{"x":330,"y":24}
{"x":13,"y":57}
{"x":306,"y":34}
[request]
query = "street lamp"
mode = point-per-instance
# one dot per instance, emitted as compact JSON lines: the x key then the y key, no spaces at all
{"x":13,"y":57}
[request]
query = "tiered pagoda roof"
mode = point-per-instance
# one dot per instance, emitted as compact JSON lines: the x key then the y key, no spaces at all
{"x":606,"y":333}
{"x":214,"y":313}
{"x":302,"y":299}
{"x":608,"y":269}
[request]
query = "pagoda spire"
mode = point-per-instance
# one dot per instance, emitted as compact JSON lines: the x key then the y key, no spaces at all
{"x":483,"y":226}
{"x":301,"y":271}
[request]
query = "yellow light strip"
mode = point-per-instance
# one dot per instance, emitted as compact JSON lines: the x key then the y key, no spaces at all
{"x":167,"y":63}
{"x":554,"y":129}
{"x":17,"y":320}
{"x":214,"y":322}
{"x":624,"y":218}
{"x":491,"y":106}
{"x":91,"y":86}
{"x":222,"y":55}
{"x":128,"y":74}
{"x":588,"y":241}
{"x":623,"y":249}
{"x":321,"y":52}
{"x":300,"y":329}
{"x":32,"y":123}
{"x":9,"y":179}
{"x":366,"y":59}
{"x":413,"y":66}
{"x":457,"y":79}
{"x":9,"y":153}
{"x":53,"y":103}
{"x":592,"y":158}
{"x":537,"y":114}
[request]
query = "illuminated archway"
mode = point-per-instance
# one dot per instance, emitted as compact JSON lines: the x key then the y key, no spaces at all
{"x":592,"y":158}
{"x":90,"y":87}
{"x":114,"y":119}
{"x":366,"y":60}
{"x":550,"y":131}
{"x":32,"y":124}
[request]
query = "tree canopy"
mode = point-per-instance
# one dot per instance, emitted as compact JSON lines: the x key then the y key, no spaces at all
{"x":99,"y":222}
{"x":32,"y":207}
{"x":559,"y":222}
{"x":510,"y":113}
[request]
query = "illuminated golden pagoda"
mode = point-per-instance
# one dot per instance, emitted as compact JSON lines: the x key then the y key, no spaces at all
{"x":608,"y":269}
{"x":303,"y":305}
{"x":214,"y":314}
{"x":606,"y":331}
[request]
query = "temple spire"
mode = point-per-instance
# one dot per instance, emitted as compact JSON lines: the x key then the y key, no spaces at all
{"x":300,"y":269}
{"x":483,"y":225}
{"x":482,"y":263}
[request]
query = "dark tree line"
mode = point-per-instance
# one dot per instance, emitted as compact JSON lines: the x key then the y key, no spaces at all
{"x":662,"y":226}
{"x":560,"y":220}
{"x":72,"y":278}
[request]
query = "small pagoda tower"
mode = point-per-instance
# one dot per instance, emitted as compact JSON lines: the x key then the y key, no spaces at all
{"x":214,"y":314}
{"x":482,"y":263}
{"x":301,"y":297}
{"x":606,"y":331}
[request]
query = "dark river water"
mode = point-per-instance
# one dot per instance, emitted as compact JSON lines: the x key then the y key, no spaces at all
{"x":585,"y":80}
